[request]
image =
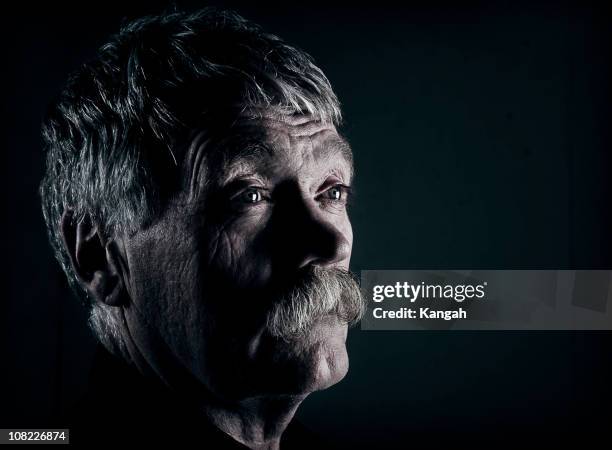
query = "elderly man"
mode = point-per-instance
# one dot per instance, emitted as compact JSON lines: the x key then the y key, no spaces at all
{"x":195,"y":195}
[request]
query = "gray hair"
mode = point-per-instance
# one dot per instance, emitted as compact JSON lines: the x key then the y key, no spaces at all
{"x":319,"y":293}
{"x":113,"y":137}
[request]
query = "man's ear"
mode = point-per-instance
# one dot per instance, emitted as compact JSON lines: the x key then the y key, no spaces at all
{"x":93,"y":259}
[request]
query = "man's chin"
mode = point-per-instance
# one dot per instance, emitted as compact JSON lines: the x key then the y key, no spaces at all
{"x":311,"y":362}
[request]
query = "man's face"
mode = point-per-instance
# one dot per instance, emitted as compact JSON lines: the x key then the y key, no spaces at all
{"x":236,"y":251}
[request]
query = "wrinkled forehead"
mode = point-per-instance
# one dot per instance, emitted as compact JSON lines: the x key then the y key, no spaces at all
{"x":299,"y":140}
{"x":255,"y":142}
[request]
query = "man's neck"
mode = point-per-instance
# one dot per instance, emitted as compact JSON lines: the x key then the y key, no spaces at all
{"x":257,"y":422}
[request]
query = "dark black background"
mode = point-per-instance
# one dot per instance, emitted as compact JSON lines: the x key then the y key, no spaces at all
{"x":482,"y":140}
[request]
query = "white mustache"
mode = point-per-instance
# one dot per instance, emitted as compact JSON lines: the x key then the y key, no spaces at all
{"x":321,"y":292}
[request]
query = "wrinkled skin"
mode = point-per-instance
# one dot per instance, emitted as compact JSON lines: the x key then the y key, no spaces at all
{"x":200,"y":280}
{"x":193,"y":290}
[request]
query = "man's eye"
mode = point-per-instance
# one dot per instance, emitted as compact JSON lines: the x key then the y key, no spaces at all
{"x":336,"y":193}
{"x":250,"y":196}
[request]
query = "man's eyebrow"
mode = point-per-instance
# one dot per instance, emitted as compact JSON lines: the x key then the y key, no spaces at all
{"x":211,"y":162}
{"x":238,"y":156}
{"x":345,"y":149}
{"x":338,"y":145}
{"x":242,"y":159}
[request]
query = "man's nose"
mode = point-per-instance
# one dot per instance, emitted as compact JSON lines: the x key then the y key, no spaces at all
{"x":313,"y":238}
{"x":324,"y":245}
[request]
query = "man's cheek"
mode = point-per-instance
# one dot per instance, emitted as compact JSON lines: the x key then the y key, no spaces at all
{"x":219,"y":249}
{"x":234,"y":257}
{"x":349,"y":237}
